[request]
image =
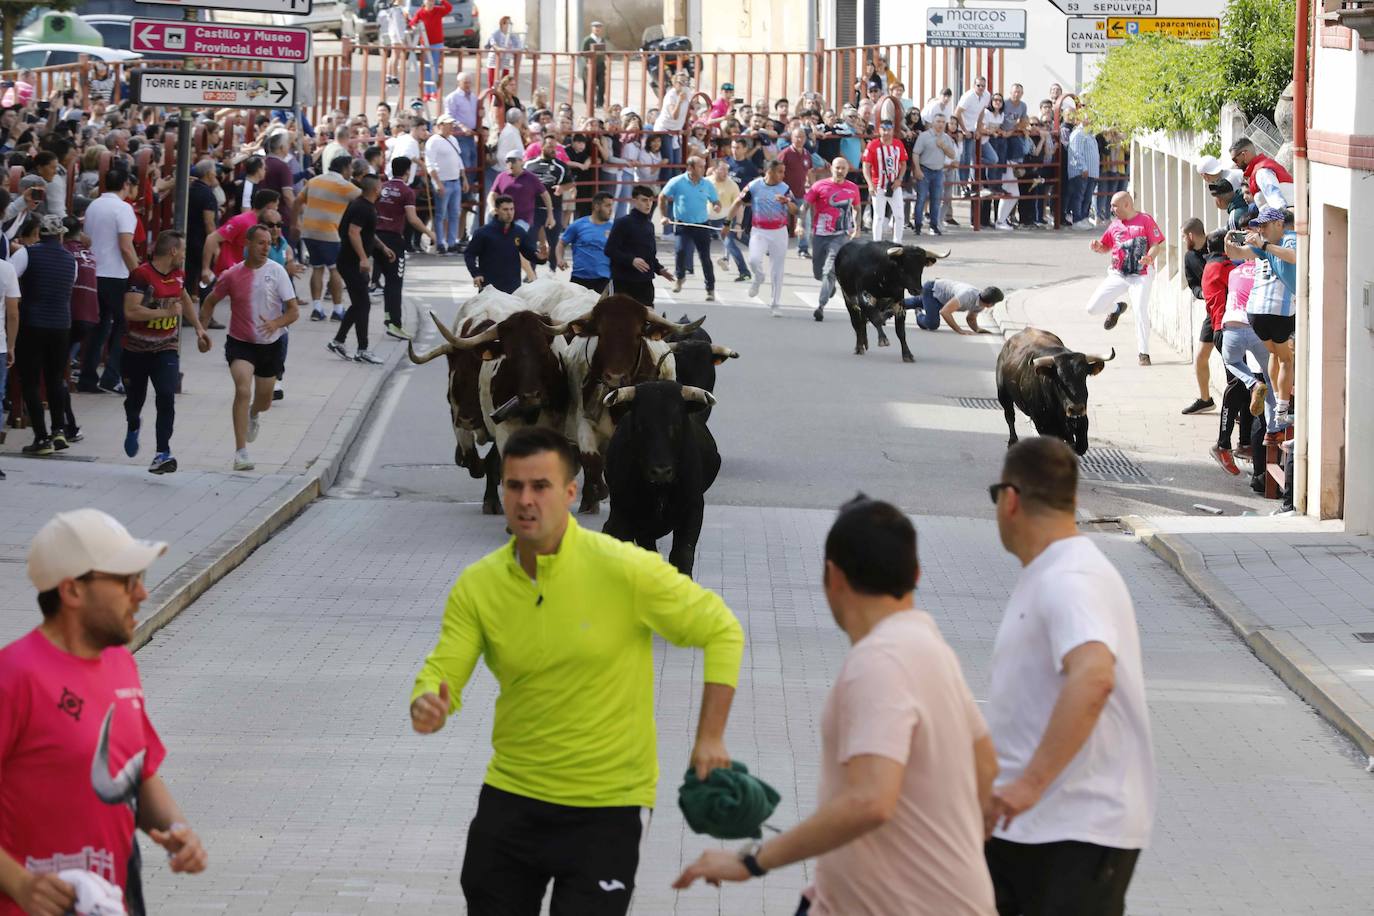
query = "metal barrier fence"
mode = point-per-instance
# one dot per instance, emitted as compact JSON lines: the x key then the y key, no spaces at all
{"x":637,"y":79}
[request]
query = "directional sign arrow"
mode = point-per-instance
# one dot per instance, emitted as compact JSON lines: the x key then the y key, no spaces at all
{"x":936,"y":18}
{"x":148,"y":34}
{"x":279,"y":92}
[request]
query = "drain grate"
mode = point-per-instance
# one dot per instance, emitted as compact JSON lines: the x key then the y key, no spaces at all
{"x":1365,"y":637}
{"x":980,"y":403}
{"x":1110,"y":464}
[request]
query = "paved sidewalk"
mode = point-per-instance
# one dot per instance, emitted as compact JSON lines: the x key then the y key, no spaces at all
{"x":212,"y":516}
{"x":1297,"y":591}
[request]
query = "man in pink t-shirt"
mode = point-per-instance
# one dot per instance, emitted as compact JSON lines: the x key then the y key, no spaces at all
{"x":720,"y":108}
{"x":262,"y":304}
{"x":832,"y":205}
{"x":224,"y":247}
{"x":907,"y":765}
{"x":78,"y":754}
{"x":1133,"y":240}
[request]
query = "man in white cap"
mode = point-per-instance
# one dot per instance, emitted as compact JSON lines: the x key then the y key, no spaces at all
{"x":79,"y":756}
{"x":1211,"y":170}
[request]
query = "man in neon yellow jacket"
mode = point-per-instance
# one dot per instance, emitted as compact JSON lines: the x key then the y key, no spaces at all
{"x":564,"y":618}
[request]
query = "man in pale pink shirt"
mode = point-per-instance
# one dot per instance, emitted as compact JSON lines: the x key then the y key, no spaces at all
{"x":907,"y":765}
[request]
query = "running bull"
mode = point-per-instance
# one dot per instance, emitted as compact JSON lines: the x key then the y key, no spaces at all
{"x":661,"y":461}
{"x":619,"y":344}
{"x":1049,"y":382}
{"x":874,"y":278}
{"x":520,"y":382}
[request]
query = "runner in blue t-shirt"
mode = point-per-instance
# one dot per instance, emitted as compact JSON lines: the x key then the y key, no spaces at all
{"x":587,"y":237}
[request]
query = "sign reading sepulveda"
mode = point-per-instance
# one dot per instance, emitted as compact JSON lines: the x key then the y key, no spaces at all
{"x":233,"y":90}
{"x":1107,"y":7}
{"x":957,"y":27}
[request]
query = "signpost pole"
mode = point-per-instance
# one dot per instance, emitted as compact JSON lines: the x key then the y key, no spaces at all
{"x":185,"y":128}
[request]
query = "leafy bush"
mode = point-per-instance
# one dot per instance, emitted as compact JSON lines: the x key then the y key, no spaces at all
{"x":1158,"y":83}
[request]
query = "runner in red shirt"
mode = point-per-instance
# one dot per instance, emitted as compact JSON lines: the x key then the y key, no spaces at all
{"x":154,"y":306}
{"x":884,"y":164}
{"x":78,"y":753}
{"x":432,"y":16}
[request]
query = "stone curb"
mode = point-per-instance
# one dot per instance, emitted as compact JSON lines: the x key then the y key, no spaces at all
{"x":197,"y":575}
{"x":1296,"y":665}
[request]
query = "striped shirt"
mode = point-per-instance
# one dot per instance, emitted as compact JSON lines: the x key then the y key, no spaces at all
{"x":326,"y":199}
{"x":1275,"y":280}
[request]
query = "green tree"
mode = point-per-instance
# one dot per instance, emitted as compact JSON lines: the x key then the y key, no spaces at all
{"x":1158,"y":83}
{"x":12,"y":12}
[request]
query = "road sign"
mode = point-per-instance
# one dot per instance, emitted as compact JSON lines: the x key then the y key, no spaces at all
{"x":228,"y":90}
{"x":1107,"y":7}
{"x":1086,"y":35}
{"x":209,"y":39}
{"x":957,"y":27}
{"x":1120,"y":28}
{"x":287,"y":7}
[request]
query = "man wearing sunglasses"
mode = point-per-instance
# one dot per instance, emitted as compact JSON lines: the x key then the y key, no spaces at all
{"x":80,"y":756}
{"x":1074,"y":801}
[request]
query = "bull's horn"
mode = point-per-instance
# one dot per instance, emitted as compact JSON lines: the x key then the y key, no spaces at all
{"x":656,"y":318}
{"x":619,"y":396}
{"x":440,"y":350}
{"x":1043,"y":362}
{"x":448,"y":335}
{"x":605,"y":293}
{"x":1105,"y":359}
{"x":693,"y":393}
{"x":584,"y":319}
{"x":472,"y":343}
{"x":557,"y":330}
{"x":896,"y":252}
{"x":723,"y":352}
{"x":940,"y":256}
{"x":658,"y":366}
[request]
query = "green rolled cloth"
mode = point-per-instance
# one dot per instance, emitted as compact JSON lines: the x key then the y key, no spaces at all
{"x":730,"y":805}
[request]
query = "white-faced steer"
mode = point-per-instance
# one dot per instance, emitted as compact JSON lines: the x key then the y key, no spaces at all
{"x":874,"y":278}
{"x":1049,"y":382}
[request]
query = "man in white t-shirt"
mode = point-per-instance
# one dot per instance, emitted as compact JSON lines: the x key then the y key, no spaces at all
{"x":262,"y":304}
{"x":9,"y":330}
{"x":409,"y":145}
{"x":907,"y":765}
{"x":110,"y":224}
{"x":966,"y":117}
{"x":1075,"y":797}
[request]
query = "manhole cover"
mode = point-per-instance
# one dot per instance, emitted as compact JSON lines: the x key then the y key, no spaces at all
{"x":59,"y":456}
{"x":980,"y":403}
{"x":1110,"y":464}
{"x":361,"y":493}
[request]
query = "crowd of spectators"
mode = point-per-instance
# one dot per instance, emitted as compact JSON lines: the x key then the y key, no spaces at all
{"x":1246,"y":277}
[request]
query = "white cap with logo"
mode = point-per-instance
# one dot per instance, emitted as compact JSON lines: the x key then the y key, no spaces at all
{"x":74,"y":543}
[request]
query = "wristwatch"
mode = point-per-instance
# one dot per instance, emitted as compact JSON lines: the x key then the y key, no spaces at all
{"x":748,"y":855}
{"x":1265,"y":245}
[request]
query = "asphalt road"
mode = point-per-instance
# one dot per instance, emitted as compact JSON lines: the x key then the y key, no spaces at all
{"x":281,"y":693}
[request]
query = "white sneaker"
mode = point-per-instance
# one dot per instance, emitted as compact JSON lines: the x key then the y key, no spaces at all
{"x":242,"y":462}
{"x":754,"y":286}
{"x":677,"y":285}
{"x":724,"y":262}
{"x":367,"y":356}
{"x":775,"y":311}
{"x":253,"y":426}
{"x":1005,"y":227}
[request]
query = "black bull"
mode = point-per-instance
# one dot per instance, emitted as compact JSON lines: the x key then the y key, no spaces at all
{"x":874,"y":278}
{"x":661,"y":461}
{"x":1049,"y":382}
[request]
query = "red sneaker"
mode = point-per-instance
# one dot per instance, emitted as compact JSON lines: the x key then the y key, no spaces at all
{"x":1223,"y":458}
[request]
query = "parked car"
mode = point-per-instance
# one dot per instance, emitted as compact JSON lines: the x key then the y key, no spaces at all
{"x":462,"y":27}
{"x":666,"y":54}
{"x":51,"y":54}
{"x":113,"y":29}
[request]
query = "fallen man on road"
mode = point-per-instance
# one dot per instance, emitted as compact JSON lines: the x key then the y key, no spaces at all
{"x":942,"y":298}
